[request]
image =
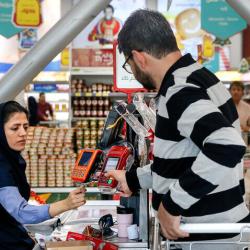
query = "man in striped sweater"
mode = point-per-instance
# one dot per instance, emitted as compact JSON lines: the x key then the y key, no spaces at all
{"x":197,"y":174}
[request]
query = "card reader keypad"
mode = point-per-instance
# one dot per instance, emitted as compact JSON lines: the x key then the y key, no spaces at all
{"x":79,"y":172}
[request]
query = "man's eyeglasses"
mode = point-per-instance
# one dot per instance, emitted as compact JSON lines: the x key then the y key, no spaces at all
{"x":126,"y":66}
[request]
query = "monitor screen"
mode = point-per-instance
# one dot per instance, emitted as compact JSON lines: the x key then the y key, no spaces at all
{"x":84,"y":161}
{"x":111,"y":164}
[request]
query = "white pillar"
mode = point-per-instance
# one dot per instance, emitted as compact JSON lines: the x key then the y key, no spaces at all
{"x":236,"y":50}
{"x":242,"y":7}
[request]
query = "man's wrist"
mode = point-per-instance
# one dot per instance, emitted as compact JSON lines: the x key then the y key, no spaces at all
{"x":132,"y":180}
{"x":172,"y":208}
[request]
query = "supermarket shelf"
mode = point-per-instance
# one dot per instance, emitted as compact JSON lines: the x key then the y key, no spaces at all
{"x":123,"y":95}
{"x":98,"y":94}
{"x":110,"y":94}
{"x":60,"y":111}
{"x":55,"y":122}
{"x":48,"y":93}
{"x":88,"y":118}
{"x":93,"y":71}
{"x":61,"y":189}
{"x":50,"y":82}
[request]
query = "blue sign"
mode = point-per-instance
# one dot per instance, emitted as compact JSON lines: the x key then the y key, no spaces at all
{"x":7,"y":28}
{"x":220,"y":19}
{"x":45,"y":87}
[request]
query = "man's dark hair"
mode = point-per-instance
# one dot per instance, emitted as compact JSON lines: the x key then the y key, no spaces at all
{"x":12,"y":107}
{"x":148,"y":31}
{"x":42,"y":93}
{"x":237,"y":84}
{"x":110,"y":7}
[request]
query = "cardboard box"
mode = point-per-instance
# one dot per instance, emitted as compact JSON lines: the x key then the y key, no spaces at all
{"x":69,"y":245}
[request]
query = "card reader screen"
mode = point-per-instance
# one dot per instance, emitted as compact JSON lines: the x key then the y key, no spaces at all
{"x":111,"y":164}
{"x":84,"y":161}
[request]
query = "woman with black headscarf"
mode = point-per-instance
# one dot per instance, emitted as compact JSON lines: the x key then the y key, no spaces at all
{"x":14,"y":189}
{"x":33,"y":111}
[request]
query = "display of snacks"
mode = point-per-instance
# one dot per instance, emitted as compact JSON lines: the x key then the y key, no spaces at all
{"x":88,"y":133}
{"x":49,"y":154}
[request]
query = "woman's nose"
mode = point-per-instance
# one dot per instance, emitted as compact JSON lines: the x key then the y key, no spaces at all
{"x":22,"y":132}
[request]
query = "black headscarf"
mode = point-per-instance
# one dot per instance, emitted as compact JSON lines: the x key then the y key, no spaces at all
{"x":12,"y":161}
{"x":33,"y":109}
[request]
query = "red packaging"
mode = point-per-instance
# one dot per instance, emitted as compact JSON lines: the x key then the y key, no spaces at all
{"x":98,"y":244}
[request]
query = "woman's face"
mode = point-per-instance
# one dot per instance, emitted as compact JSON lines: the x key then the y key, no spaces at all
{"x":16,"y":131}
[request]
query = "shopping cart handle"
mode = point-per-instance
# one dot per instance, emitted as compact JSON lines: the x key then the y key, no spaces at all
{"x":200,"y":228}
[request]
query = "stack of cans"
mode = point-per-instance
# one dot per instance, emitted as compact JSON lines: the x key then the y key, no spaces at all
{"x":49,"y":156}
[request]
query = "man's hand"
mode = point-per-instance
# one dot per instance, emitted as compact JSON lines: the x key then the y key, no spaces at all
{"x":120,"y":176}
{"x":244,"y":128}
{"x":170,"y":225}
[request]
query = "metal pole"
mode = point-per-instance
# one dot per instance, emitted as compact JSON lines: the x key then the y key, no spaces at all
{"x":58,"y":37}
{"x":242,"y":7}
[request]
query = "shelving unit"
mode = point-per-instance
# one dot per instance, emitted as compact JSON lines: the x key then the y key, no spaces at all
{"x":92,"y":71}
{"x":98,"y":94}
{"x":62,"y":189}
{"x":88,"y":118}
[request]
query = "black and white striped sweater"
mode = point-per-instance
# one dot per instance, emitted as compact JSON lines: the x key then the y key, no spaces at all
{"x":197,"y":170}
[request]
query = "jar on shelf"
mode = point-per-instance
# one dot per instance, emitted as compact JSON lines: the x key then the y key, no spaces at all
{"x":85,"y":124}
{"x":93,"y":134}
{"x":93,"y":124}
{"x":88,"y":102}
{"x":94,"y":103}
{"x":82,"y":102}
{"x":106,"y":102}
{"x":93,"y":144}
{"x":75,"y":101}
{"x":100,"y":112}
{"x":88,"y":112}
{"x":86,"y":134}
{"x":94,"y":113}
{"x":82,"y":112}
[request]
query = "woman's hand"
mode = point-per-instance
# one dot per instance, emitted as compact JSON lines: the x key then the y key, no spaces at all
{"x":76,"y":198}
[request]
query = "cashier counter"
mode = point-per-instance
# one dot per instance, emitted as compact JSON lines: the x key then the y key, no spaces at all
{"x":76,"y":220}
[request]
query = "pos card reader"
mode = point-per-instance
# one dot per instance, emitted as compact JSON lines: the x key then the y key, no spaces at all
{"x":86,"y":165}
{"x":118,"y":158}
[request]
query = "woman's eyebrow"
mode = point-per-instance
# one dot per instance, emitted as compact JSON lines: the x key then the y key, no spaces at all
{"x":19,"y":124}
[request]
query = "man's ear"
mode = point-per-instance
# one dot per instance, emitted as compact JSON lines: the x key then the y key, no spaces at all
{"x":139,"y":58}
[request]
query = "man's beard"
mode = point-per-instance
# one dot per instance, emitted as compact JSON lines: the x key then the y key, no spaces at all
{"x":145,"y":80}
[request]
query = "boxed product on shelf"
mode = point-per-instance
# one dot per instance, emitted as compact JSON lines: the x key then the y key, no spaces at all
{"x":49,"y":154}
